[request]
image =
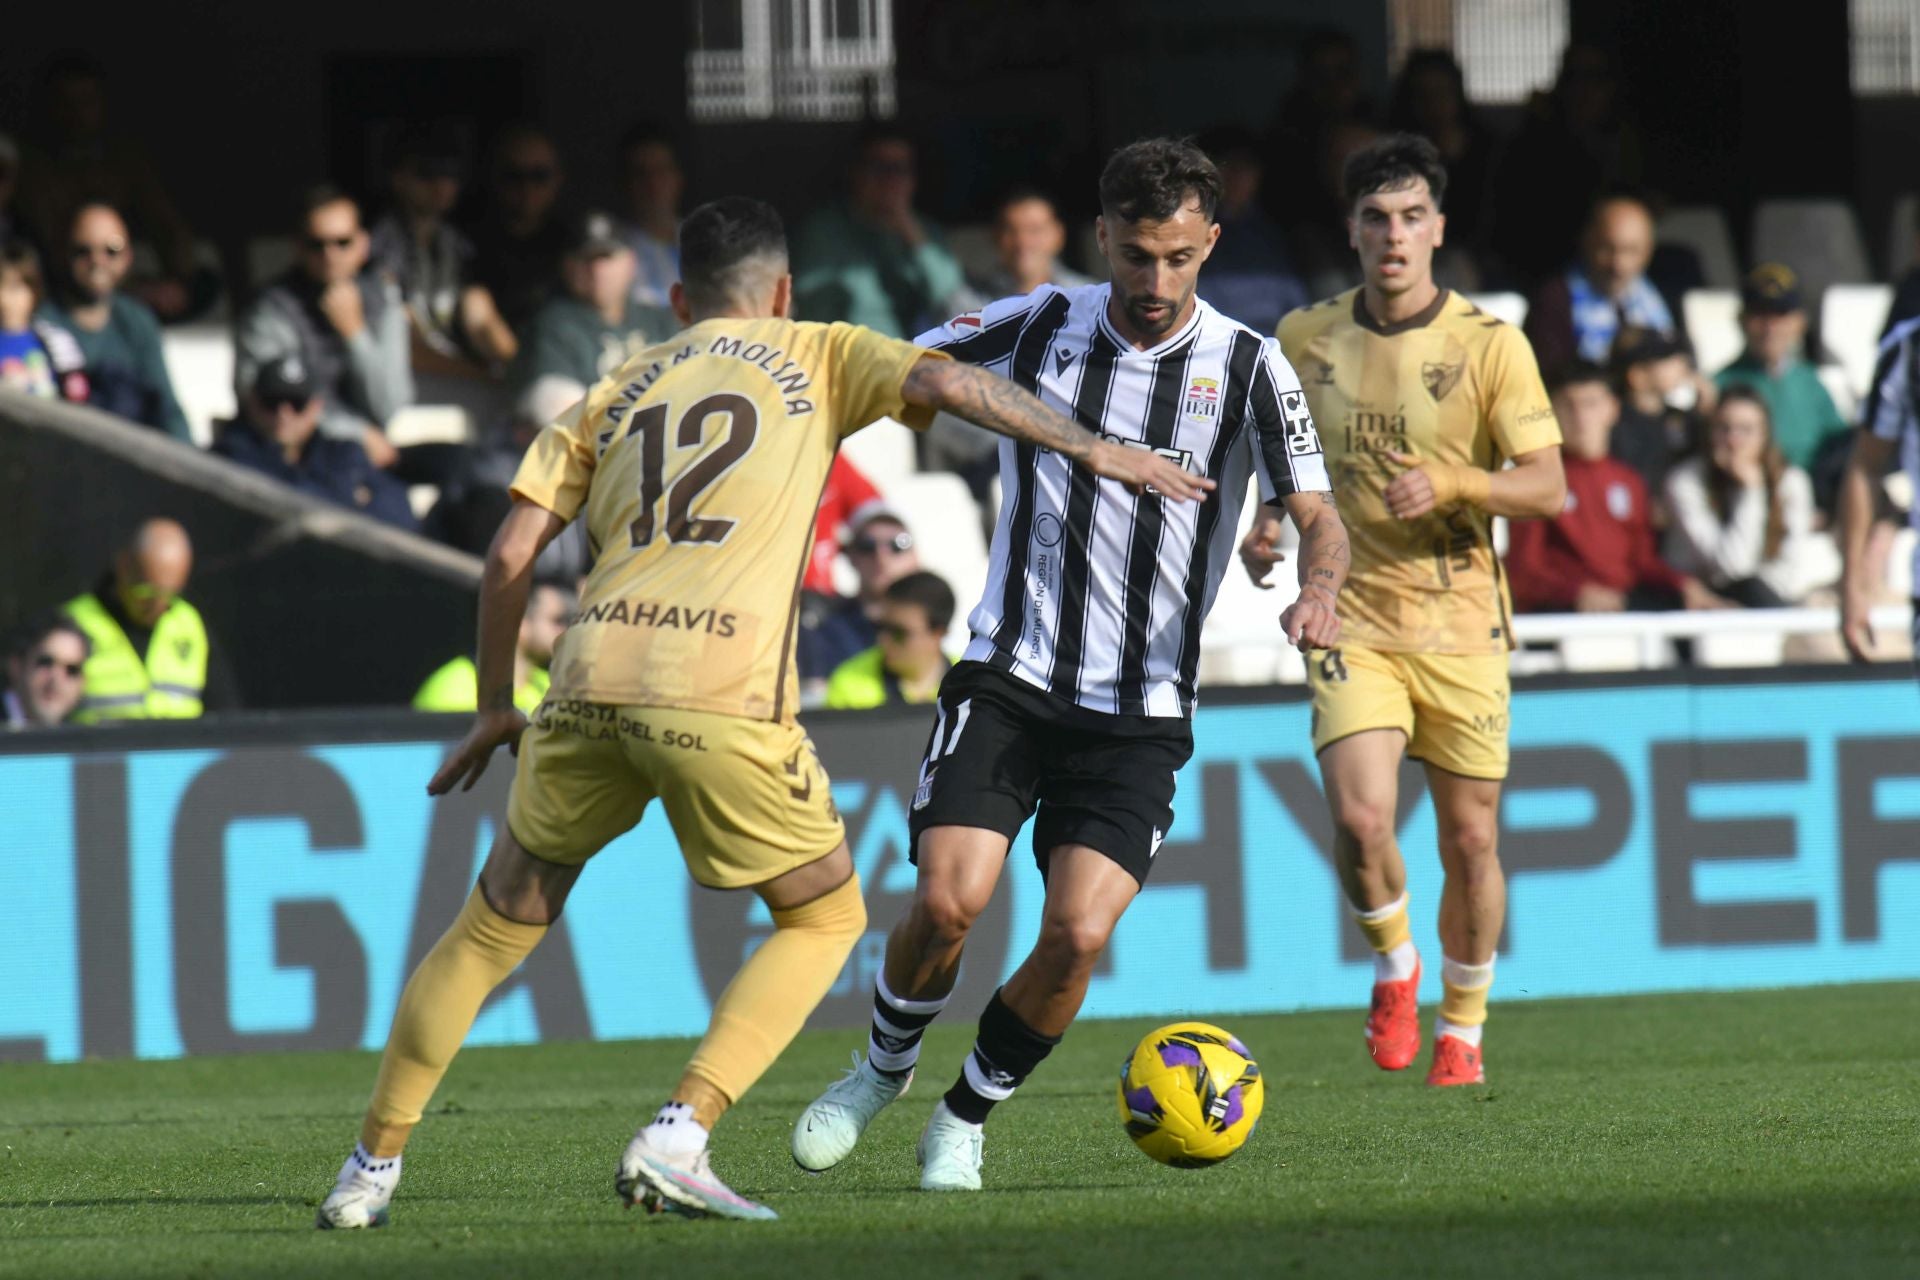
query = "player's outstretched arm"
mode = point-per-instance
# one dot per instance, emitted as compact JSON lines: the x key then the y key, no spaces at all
{"x":1868,"y":461}
{"x":993,"y":402}
{"x":1313,"y":620}
{"x":1536,"y":485}
{"x":505,"y":583}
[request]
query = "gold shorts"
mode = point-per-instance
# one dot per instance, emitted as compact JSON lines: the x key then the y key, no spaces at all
{"x":747,"y":799}
{"x":1453,"y":707}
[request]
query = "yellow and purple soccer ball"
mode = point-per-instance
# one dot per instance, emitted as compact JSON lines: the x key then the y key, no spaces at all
{"x":1190,"y":1095}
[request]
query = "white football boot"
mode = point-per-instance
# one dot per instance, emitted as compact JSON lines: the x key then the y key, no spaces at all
{"x":830,"y":1127}
{"x":682,"y":1184}
{"x":360,"y":1195}
{"x":949,"y":1153}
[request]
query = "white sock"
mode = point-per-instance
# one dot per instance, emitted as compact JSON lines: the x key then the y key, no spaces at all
{"x":675,"y":1132}
{"x":1397,"y":964}
{"x":386,"y":1170}
{"x":1467,"y":977}
{"x":1468,"y":1035}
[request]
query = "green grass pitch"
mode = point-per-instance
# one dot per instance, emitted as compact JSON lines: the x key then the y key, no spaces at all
{"x":1751,"y":1135}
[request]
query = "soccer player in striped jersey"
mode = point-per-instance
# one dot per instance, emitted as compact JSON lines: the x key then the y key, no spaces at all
{"x":1424,"y":398}
{"x":1074,"y":695}
{"x":1889,"y":426}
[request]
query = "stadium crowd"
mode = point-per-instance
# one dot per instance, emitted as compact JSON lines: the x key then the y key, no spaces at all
{"x":1689,"y":487}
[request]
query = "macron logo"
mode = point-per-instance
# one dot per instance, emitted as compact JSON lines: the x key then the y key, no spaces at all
{"x":1061,"y":359}
{"x":1158,"y":837}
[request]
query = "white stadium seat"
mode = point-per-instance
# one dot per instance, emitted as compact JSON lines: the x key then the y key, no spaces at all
{"x":200,"y":362}
{"x":884,"y":454}
{"x":1819,"y":239}
{"x":1839,"y":385}
{"x":1712,"y":318}
{"x":945,"y":522}
{"x":1511,"y":307}
{"x":1703,"y":229}
{"x":1851,"y":317}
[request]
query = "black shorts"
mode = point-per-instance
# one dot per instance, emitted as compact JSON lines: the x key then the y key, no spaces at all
{"x":1002,"y":748}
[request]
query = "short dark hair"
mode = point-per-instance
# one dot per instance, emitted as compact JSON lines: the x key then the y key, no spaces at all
{"x":721,"y":235}
{"x":29,"y":635}
{"x":927,"y":590}
{"x":646,"y":133}
{"x":318,"y":197}
{"x":18,"y":255}
{"x":1394,"y":163}
{"x":1578,"y":373}
{"x":874,"y":132}
{"x":1153,"y":179}
{"x":1021,"y":193}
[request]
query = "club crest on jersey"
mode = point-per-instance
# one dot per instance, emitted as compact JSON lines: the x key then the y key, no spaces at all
{"x":1203,"y":398}
{"x":1441,"y":378}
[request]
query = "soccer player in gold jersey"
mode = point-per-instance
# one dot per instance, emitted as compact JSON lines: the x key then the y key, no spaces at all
{"x":1422,"y":400}
{"x":697,"y":467}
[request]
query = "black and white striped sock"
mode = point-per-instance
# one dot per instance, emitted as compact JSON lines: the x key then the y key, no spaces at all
{"x":893,"y":1043}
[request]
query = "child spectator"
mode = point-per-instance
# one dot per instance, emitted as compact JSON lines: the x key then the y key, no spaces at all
{"x":1742,"y":514}
{"x":36,"y":357}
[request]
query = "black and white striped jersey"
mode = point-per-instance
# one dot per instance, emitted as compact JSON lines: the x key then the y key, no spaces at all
{"x":1094,"y":594}
{"x":1892,"y":412}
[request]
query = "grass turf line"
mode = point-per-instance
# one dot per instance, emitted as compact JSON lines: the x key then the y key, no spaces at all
{"x":1754,"y":1134}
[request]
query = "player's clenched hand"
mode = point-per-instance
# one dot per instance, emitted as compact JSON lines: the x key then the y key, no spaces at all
{"x":1260,"y":549}
{"x":1410,"y":494}
{"x":1311,"y":622}
{"x":491,"y":729}
{"x":1856,"y":625}
{"x":1142,"y":470}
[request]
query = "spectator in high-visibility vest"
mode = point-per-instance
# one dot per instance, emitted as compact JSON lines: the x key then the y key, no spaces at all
{"x":152,"y":658}
{"x":907,"y":665}
{"x":456,"y":686}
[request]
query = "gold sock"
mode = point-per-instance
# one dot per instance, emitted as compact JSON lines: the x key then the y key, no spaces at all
{"x":1464,"y":990}
{"x":1387,"y":927}
{"x":436,"y":1011}
{"x":765,"y":1005}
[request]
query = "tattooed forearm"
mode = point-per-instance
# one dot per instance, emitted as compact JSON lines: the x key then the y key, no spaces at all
{"x":1324,"y":553}
{"x":996,"y":404}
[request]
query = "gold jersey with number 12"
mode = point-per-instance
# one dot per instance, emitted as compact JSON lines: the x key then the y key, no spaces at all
{"x":698,"y":467}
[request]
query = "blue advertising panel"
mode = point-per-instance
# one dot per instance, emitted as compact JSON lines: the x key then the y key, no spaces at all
{"x":217,"y":894}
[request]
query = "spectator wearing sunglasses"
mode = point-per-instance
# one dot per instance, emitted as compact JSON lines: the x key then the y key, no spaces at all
{"x":118,"y":334}
{"x":906,"y":666}
{"x":834,"y":628}
{"x":520,"y":241}
{"x":151,"y":657}
{"x":348,"y":327}
{"x":872,"y":260}
{"x":44,"y":667}
{"x":277,"y":434}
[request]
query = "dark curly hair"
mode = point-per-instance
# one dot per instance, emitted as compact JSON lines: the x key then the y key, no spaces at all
{"x":1154,"y":178}
{"x":1395,"y":163}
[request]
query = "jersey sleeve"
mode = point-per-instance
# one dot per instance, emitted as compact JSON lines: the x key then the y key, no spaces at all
{"x":558,"y":468}
{"x":1287,"y":449}
{"x":1518,"y":412}
{"x":988,"y":336}
{"x":869,"y":370}
{"x":1891,"y":407}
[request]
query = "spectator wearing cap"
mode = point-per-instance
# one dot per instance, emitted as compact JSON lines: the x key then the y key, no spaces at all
{"x":834,"y":628}
{"x":1575,"y":315}
{"x":1661,"y":395}
{"x":457,"y":330}
{"x":119,"y":335}
{"x":347,"y":326}
{"x":847,"y":499}
{"x":871,"y":259}
{"x":277,"y":434}
{"x":37,"y":357}
{"x":1773,"y":316}
{"x":519,"y":241}
{"x":1249,"y":276}
{"x":908,"y":663}
{"x":595,"y":326}
{"x":654,"y":183}
{"x":45,"y":665}
{"x":151,"y":657}
{"x":1600,"y":554}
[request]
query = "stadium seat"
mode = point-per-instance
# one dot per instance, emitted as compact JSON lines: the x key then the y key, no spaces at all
{"x":1819,"y":239}
{"x":200,"y":361}
{"x":946,"y":527}
{"x":430,"y":424}
{"x":1703,"y":229}
{"x":1902,"y":228}
{"x":973,"y":246}
{"x":1511,"y":307}
{"x":1851,"y":317}
{"x":1712,"y":318}
{"x":884,"y":453}
{"x":1839,"y":385}
{"x":1740,"y":649}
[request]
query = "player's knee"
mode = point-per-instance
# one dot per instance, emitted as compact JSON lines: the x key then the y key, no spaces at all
{"x":1073,"y":945}
{"x":1472,"y":847}
{"x":945,"y":916}
{"x":1367,"y":823}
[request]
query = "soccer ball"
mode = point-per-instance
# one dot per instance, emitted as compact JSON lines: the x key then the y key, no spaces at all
{"x":1190,"y":1095}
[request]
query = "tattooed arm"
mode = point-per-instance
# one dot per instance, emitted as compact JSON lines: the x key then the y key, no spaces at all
{"x":1311,"y":621}
{"x":992,"y":402}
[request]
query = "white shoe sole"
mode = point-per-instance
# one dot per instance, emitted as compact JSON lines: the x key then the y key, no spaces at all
{"x":659,"y":1189}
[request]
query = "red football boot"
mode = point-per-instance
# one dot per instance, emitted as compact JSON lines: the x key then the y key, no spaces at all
{"x":1393,"y":1024}
{"x":1455,"y":1062}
